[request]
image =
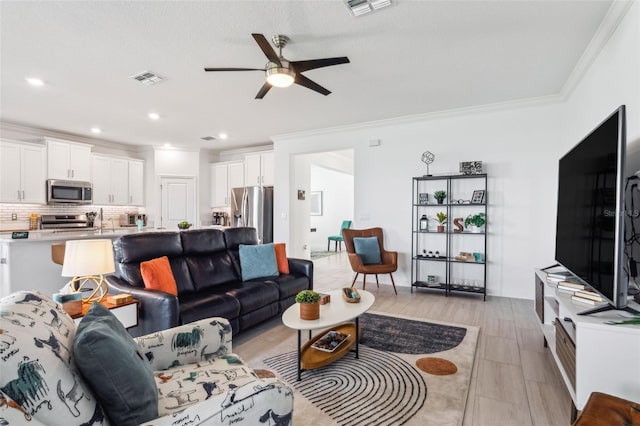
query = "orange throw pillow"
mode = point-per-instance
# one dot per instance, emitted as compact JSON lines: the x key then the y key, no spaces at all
{"x":281,"y":257}
{"x":157,"y":275}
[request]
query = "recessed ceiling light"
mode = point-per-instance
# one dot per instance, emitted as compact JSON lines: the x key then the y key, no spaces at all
{"x":95,"y":130}
{"x":35,"y":81}
{"x":222,"y":135}
{"x":154,"y":115}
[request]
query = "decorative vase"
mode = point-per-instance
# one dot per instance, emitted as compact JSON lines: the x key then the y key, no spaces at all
{"x":440,"y":228}
{"x":475,"y":229}
{"x":309,"y":311}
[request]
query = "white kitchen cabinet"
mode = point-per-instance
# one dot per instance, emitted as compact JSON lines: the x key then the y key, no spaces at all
{"x":258,"y":169}
{"x":110,"y":180}
{"x":68,"y":160}
{"x":136,"y":182}
{"x":225,"y":176}
{"x":23,"y":173}
{"x":236,"y":177}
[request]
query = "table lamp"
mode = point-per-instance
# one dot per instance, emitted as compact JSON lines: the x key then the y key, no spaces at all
{"x":87,"y":261}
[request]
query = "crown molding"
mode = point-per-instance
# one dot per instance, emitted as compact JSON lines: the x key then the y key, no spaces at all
{"x":39,"y":133}
{"x":607,"y":28}
{"x":437,"y":115}
{"x":246,"y":150}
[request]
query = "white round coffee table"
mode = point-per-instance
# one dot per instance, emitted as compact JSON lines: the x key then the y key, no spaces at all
{"x":333,"y":316}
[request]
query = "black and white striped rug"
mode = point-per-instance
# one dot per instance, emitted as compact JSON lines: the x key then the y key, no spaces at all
{"x":378,"y":388}
{"x":384,"y":386}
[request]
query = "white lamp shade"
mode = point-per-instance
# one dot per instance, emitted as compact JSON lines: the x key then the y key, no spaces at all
{"x":88,"y":257}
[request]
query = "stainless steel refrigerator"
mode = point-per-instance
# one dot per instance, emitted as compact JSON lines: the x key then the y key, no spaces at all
{"x":253,"y":206}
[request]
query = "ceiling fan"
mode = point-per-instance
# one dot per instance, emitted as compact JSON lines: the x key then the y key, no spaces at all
{"x":281,"y":72}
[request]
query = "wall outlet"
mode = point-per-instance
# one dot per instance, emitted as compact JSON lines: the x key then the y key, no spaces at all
{"x":14,"y":216}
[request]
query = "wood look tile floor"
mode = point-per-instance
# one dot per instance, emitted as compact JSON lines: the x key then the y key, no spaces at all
{"x":514,"y":381}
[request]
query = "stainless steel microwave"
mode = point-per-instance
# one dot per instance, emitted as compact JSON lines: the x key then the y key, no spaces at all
{"x":69,"y":192}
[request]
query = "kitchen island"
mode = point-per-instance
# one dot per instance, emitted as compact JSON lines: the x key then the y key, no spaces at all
{"x":26,"y":264}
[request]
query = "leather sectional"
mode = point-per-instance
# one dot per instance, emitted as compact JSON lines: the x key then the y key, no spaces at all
{"x":206,"y":266}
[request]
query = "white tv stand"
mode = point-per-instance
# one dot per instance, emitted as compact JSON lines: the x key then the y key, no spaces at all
{"x":591,"y":355}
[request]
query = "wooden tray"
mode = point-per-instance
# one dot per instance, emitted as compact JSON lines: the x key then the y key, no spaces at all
{"x":313,"y":358}
{"x":348,"y":295}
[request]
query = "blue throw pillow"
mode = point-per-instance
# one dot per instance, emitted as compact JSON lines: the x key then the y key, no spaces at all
{"x":115,"y":368}
{"x":257,"y":261}
{"x":368,"y":250}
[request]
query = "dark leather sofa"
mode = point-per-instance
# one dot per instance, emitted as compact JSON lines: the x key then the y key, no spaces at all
{"x":206,"y":266}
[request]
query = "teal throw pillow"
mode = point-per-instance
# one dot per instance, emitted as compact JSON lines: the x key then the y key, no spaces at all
{"x":368,"y":250}
{"x":257,"y":261}
{"x":113,"y":365}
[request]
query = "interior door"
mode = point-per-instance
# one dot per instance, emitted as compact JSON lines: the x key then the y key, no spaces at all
{"x":178,"y":201}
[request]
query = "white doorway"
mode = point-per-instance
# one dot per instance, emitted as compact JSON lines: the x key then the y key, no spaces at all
{"x":330,"y":173}
{"x":177,"y":201}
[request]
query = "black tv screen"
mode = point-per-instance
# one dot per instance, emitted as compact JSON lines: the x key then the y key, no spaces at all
{"x":590,"y":217}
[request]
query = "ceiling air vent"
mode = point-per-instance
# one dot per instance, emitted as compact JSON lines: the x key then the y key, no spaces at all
{"x":208,"y":138}
{"x":361,"y":7}
{"x":147,"y":78}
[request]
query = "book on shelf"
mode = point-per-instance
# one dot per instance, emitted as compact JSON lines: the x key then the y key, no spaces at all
{"x":559,"y":275}
{"x":583,"y":300}
{"x":568,"y":288}
{"x":591,"y":295}
{"x":565,"y":290}
{"x":572,"y":284}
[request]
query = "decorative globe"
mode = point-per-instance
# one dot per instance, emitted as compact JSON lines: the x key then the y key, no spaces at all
{"x":428,"y":157}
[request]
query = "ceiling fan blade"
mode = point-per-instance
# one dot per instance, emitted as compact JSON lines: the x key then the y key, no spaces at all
{"x":263,"y":90}
{"x":266,"y":48}
{"x":309,"y":84}
{"x":301,"y":66}
{"x":234,"y":69}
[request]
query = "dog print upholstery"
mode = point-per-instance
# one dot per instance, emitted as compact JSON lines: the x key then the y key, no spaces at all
{"x":198,"y":377}
{"x":38,"y":381}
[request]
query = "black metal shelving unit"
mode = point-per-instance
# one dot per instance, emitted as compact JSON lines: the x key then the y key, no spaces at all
{"x":458,"y":187}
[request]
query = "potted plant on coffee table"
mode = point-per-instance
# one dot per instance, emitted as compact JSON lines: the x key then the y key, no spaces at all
{"x":475,"y":223}
{"x":440,"y":196}
{"x":441,"y":218}
{"x":309,"y":301}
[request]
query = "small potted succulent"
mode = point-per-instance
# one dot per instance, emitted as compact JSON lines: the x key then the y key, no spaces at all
{"x":309,"y":301}
{"x":184,"y":225}
{"x":476,"y":222}
{"x":440,"y":196}
{"x":441,"y":218}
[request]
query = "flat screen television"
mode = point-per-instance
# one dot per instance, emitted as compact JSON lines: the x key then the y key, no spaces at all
{"x":590,"y":223}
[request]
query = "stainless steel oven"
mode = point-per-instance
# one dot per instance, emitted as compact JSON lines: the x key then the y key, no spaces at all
{"x":69,"y":192}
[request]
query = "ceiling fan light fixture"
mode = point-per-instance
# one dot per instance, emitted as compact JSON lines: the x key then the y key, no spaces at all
{"x":279,"y":76}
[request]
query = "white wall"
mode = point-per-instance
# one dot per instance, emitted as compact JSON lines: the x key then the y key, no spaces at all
{"x":337,"y":200}
{"x":612,"y":80}
{"x":519,"y":144}
{"x":513,"y":145}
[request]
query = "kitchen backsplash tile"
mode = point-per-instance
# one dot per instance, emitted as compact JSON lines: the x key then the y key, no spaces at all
{"x":22,"y":211}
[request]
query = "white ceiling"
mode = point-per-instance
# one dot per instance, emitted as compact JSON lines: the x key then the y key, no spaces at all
{"x":413,"y":57}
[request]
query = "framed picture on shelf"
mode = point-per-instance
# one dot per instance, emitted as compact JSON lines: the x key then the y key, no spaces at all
{"x":423,"y":198}
{"x":478,"y":197}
